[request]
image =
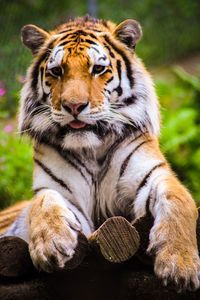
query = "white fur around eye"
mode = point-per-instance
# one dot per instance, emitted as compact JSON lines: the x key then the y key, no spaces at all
{"x":56,"y":57}
{"x":98,"y":56}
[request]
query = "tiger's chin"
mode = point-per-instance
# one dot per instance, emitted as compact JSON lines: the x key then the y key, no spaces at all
{"x":81,"y":139}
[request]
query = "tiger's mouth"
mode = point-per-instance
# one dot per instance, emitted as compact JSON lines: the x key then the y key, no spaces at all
{"x":76,"y":124}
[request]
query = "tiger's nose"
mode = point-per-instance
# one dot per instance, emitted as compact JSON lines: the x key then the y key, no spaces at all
{"x":74,"y":109}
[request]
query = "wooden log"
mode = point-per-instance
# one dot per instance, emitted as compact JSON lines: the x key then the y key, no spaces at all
{"x":88,"y":280}
{"x":15,"y":260}
{"x":116,"y":239}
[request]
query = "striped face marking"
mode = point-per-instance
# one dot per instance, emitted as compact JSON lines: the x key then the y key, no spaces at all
{"x":98,"y":56}
{"x":56,"y":57}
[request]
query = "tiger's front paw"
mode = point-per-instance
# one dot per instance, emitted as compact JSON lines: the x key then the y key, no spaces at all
{"x":182,"y":269}
{"x":53,"y":240}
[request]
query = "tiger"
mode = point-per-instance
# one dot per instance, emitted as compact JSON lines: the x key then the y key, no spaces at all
{"x":90,"y":108}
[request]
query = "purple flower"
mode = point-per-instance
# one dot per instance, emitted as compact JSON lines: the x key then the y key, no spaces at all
{"x":2,"y":91}
{"x":8,"y":128}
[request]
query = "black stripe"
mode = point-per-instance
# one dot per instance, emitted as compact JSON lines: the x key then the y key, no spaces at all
{"x":95,"y":49}
{"x":127,"y":159}
{"x":147,"y":209}
{"x":89,"y":42}
{"x":70,"y":35}
{"x":49,"y":172}
{"x":119,"y":88}
{"x":109,"y":50}
{"x":109,"y":80}
{"x":130,"y":100}
{"x":81,"y":32}
{"x":106,"y":159}
{"x":102,"y":57}
{"x":64,"y":43}
{"x":31,"y":105}
{"x":81,"y":212}
{"x":146,"y":177}
{"x":106,"y":90}
{"x":70,"y":162}
{"x":119,"y":69}
{"x":71,"y":159}
{"x":35,"y":191}
{"x":41,"y":76}
{"x":47,"y":83}
{"x":92,"y":35}
{"x":127,"y":101}
{"x":41,"y":73}
{"x":74,"y":34}
{"x":57,"y":114}
{"x":76,"y":167}
{"x":81,"y":163}
{"x":35,"y":70}
{"x":105,"y":23}
{"x":125,"y":58}
{"x":136,"y":138}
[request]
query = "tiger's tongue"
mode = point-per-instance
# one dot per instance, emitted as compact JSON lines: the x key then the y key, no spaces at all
{"x":77,"y":124}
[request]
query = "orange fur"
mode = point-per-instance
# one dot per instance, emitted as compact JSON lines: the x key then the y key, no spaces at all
{"x":9,"y":215}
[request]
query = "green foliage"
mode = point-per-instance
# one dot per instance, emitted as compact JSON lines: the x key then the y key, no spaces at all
{"x":171,"y":28}
{"x":15,"y":167}
{"x":180,"y":134}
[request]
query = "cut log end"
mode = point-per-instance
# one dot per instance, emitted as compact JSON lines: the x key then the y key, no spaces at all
{"x":116,"y":239}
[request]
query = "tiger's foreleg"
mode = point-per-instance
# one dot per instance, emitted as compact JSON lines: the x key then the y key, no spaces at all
{"x":147,"y":178}
{"x":51,"y":225}
{"x":54,"y":226}
{"x":173,"y":236}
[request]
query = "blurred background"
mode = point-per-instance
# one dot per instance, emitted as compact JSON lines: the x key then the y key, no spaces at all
{"x":170,"y":48}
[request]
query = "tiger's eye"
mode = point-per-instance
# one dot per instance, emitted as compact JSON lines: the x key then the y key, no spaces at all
{"x":56,"y":71}
{"x":97,"y":69}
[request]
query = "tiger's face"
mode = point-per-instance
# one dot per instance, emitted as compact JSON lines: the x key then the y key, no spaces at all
{"x":77,"y":77}
{"x":82,"y":84}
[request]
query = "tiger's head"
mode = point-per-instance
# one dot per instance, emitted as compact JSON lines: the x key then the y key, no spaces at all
{"x":86,"y":84}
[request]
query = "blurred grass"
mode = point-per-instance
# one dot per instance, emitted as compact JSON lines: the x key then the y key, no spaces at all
{"x":15,"y":167}
{"x":180,"y":99}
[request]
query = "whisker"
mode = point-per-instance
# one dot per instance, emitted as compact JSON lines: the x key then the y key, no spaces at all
{"x":22,"y":131}
{"x":39,"y":109}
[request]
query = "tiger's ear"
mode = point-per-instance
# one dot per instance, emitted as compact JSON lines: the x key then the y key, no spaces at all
{"x":128,"y":32}
{"x":33,"y":37}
